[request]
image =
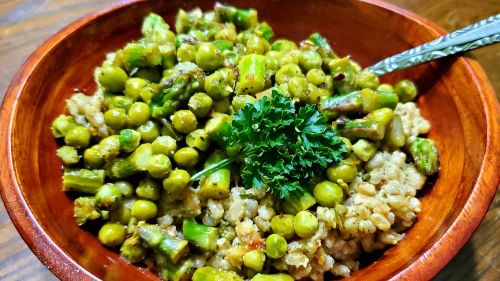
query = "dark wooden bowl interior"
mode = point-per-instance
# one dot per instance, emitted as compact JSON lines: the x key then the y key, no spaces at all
{"x":452,"y":98}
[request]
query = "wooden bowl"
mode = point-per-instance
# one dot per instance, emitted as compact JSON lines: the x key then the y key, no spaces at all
{"x":455,"y":96}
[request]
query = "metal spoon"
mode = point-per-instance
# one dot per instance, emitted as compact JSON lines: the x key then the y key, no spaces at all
{"x":471,"y":37}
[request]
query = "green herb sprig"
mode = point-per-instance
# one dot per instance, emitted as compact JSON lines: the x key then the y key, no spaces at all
{"x":282,"y":146}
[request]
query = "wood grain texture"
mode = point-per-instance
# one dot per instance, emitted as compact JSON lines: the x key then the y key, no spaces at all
{"x":25,"y":24}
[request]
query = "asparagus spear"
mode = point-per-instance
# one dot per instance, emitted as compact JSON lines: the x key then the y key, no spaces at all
{"x":180,"y":272}
{"x":176,"y":87}
{"x":201,"y":235}
{"x":83,"y":180}
{"x":216,"y":184}
{"x":132,"y":249}
{"x":425,"y":155}
{"x":244,"y":18}
{"x":298,"y":201}
{"x":252,"y":69}
{"x":173,"y":247}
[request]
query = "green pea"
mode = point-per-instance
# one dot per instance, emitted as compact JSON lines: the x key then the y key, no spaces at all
{"x":159,"y":166}
{"x":342,"y":171}
{"x":129,"y":140}
{"x":113,"y":78}
{"x":316,"y":77}
{"x":313,"y":94}
{"x":61,"y":125}
{"x":93,"y":158}
{"x":125,"y":188}
{"x":164,"y":145}
{"x":406,"y":90}
{"x":109,"y":147}
{"x":366,"y":79}
{"x":364,"y":150}
{"x":254,"y":260}
{"x":208,"y":57}
{"x":287,"y":72}
{"x":144,"y":210}
{"x":148,"y":189}
{"x":309,"y":60}
{"x":117,"y":101}
{"x":186,"y":53}
{"x":305,"y":224}
{"x":200,"y":104}
{"x":298,"y":88}
{"x":116,"y":118}
{"x":385,"y":88}
{"x":149,"y":131}
{"x":222,"y":106}
{"x":107,"y":195}
{"x":198,"y":139}
{"x":176,"y":181}
{"x":283,"y":45}
{"x":78,"y":137}
{"x":138,"y":113}
{"x":184,"y":121}
{"x":112,"y":234}
{"x":257,"y":45}
{"x":276,"y":246}
{"x":240,"y":101}
{"x":186,"y":157}
{"x":328,"y":194}
{"x":133,"y":88}
{"x":283,"y":225}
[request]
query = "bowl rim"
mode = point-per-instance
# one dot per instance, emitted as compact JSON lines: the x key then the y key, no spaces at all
{"x":425,"y":267}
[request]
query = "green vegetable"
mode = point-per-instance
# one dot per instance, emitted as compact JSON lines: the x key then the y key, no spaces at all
{"x":107,"y":195}
{"x":176,"y":181}
{"x":116,"y":118}
{"x":132,"y":249}
{"x":78,"y":137}
{"x":364,"y":150}
{"x":140,"y":157}
{"x":283,"y":225}
{"x":425,"y":155}
{"x":61,"y":125}
{"x":85,"y":209}
{"x":112,"y":234}
{"x":198,"y":139}
{"x":343,"y":171}
{"x":276,"y":246}
{"x":139,"y":113}
{"x":68,"y":155}
{"x":129,"y":140}
{"x":186,"y":157}
{"x":328,"y":194}
{"x":244,"y":18}
{"x":252,"y":70}
{"x":184,"y":121}
{"x":264,"y":30}
{"x":83,"y":180}
{"x":159,"y":166}
{"x":155,"y":29}
{"x":149,"y":189}
{"x":254,"y":260}
{"x":144,"y":210}
{"x":177,"y":272}
{"x":113,"y":78}
{"x":216,"y":184}
{"x":299,"y":200}
{"x":305,"y":224}
{"x":406,"y":90}
{"x":208,"y":273}
{"x":201,"y":235}
{"x":125,"y":188}
{"x":200,"y":104}
{"x":173,"y":247}
{"x":141,"y":54}
{"x":176,"y":87}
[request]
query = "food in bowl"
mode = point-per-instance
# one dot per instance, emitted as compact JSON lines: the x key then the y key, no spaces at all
{"x":219,"y":153}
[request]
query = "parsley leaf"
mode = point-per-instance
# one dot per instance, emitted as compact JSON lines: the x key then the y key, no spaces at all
{"x":282,"y":147}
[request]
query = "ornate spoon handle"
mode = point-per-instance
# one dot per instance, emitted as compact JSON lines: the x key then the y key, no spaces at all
{"x":476,"y":35}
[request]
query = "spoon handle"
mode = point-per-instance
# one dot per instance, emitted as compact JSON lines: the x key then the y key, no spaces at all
{"x":474,"y":36}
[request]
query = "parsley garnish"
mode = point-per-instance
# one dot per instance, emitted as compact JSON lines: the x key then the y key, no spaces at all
{"x":282,"y":147}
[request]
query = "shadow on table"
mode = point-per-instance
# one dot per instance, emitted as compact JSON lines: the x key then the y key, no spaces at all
{"x":462,"y":267}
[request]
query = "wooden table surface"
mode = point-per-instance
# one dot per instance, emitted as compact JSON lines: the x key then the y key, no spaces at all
{"x":26,"y":24}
